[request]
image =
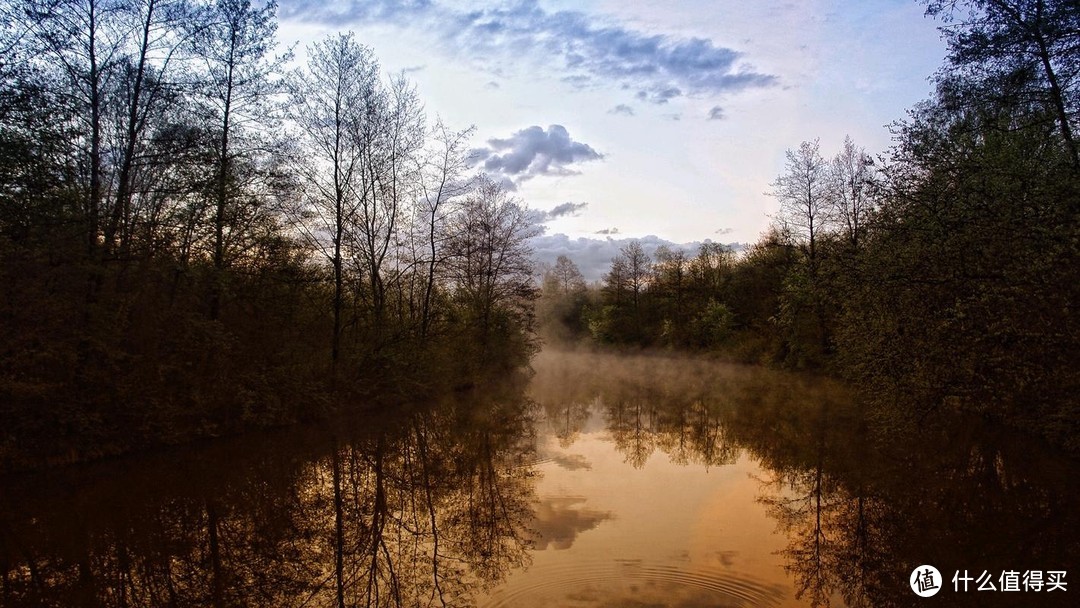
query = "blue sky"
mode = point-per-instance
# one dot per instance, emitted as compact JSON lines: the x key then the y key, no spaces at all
{"x":628,"y":119}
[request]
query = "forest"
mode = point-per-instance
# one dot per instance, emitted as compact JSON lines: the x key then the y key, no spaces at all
{"x":197,"y":238}
{"x":943,"y":273}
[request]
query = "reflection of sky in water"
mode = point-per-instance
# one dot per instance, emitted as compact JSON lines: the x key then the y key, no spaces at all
{"x":560,"y":519}
{"x":645,"y":481}
{"x":672,"y":481}
{"x":659,"y":534}
{"x":571,"y":462}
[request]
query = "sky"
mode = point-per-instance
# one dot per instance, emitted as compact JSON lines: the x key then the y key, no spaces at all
{"x":660,"y":121}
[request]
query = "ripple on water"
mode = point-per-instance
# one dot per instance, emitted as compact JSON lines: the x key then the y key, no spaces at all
{"x":570,"y":462}
{"x":633,"y":583}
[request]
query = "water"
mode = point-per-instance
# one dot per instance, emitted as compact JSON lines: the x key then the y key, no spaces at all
{"x":603,"y":481}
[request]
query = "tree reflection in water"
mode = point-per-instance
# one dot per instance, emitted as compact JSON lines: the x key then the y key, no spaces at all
{"x":861,"y":498}
{"x":424,"y":510}
{"x":862,"y":506}
{"x":432,"y":506}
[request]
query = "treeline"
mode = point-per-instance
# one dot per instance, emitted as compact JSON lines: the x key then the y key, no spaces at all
{"x":946,"y":271}
{"x":196,"y":238}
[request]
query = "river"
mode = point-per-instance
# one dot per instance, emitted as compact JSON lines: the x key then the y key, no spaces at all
{"x":598,"y":480}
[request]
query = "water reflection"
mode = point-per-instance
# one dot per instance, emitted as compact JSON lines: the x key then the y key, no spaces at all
{"x":634,"y":481}
{"x":858,"y":500}
{"x":422,"y":512}
{"x":863,"y":503}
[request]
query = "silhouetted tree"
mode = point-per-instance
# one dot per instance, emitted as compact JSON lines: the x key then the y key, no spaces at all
{"x":563,"y":297}
{"x":1023,"y":49}
{"x":491,"y":264}
{"x":239,"y":80}
{"x":851,"y":200}
{"x":441,"y":180}
{"x":328,"y":104}
{"x":804,"y":193}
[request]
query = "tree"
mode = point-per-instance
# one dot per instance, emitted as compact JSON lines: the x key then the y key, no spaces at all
{"x":709,"y":268}
{"x":851,"y":202}
{"x":567,"y":276}
{"x":621,"y":319}
{"x":637,"y":272}
{"x":239,"y":83}
{"x":806,"y":196}
{"x":327,"y":105}
{"x":39,"y":140}
{"x":616,"y":281}
{"x":491,"y":265}
{"x":391,"y":134}
{"x":804,"y":193}
{"x":85,"y":39}
{"x":152,"y":289}
{"x":671,"y":285}
{"x":440,"y":181}
{"x":970,"y":259}
{"x":1023,"y":48}
{"x":562,"y":301}
{"x":145,"y":84}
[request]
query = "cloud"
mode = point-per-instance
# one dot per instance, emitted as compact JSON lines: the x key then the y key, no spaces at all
{"x":531,"y":152}
{"x":723,"y":231}
{"x":398,"y":12}
{"x":567,"y":208}
{"x":607,"y":231}
{"x":559,"y":521}
{"x":578,"y":81}
{"x":659,"y":94}
{"x":491,"y":84}
{"x":716,"y":113}
{"x":582,"y":47}
{"x":623,"y":109}
{"x":561,"y":210}
{"x":572,"y":462}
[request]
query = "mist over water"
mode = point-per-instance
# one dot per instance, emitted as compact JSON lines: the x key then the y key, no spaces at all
{"x":640,"y":480}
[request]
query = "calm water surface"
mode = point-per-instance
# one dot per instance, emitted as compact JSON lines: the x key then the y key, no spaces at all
{"x":603,"y":481}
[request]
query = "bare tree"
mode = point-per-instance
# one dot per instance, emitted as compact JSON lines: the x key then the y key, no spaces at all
{"x":240,"y":82}
{"x":85,"y":40}
{"x":709,"y":267}
{"x":567,"y":276}
{"x":327,"y":103}
{"x":492,"y":265}
{"x":145,"y":83}
{"x":851,"y":202}
{"x":390,"y":133}
{"x":440,"y":182}
{"x":804,"y":192}
{"x":638,"y":266}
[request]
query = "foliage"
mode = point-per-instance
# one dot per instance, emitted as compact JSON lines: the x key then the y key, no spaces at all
{"x":946,"y":272}
{"x":194,"y":243}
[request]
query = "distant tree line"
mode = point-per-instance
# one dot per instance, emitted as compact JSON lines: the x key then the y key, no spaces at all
{"x":944,"y":272}
{"x":195,"y":238}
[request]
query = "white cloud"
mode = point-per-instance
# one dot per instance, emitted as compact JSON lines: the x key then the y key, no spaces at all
{"x":531,"y":152}
{"x":589,"y":48}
